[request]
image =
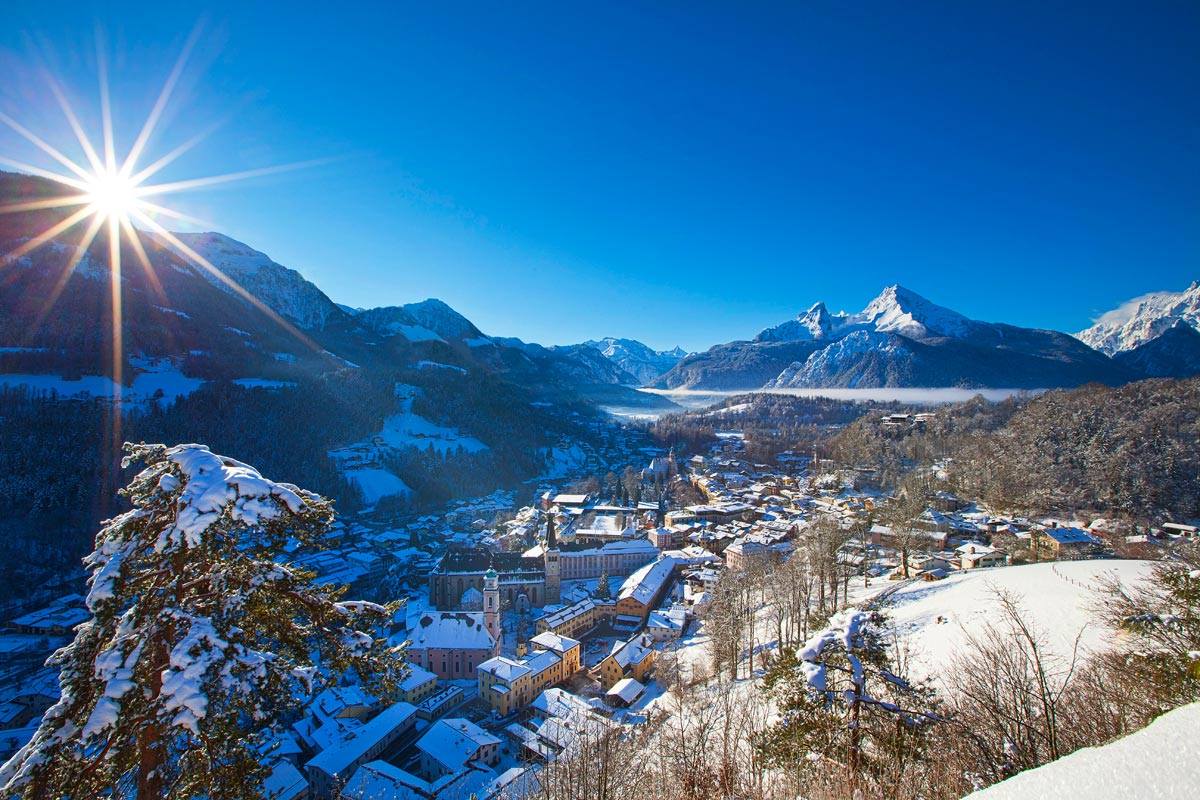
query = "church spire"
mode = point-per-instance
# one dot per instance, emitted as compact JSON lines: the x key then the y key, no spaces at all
{"x":551,"y":541}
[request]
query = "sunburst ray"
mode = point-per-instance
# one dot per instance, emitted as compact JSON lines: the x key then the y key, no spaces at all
{"x":113,"y":194}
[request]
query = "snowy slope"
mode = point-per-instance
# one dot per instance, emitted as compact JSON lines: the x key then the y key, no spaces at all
{"x":284,"y":290}
{"x":1159,"y":762}
{"x":1141,"y":319}
{"x":1056,"y":595}
{"x":863,"y":357}
{"x":362,"y":462}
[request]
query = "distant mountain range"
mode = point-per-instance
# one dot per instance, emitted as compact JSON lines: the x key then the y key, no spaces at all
{"x":1175,"y":353}
{"x":189,"y":317}
{"x":642,"y":363}
{"x":185,"y":316}
{"x":903,"y":339}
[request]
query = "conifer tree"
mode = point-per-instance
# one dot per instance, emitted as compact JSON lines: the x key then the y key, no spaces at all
{"x":841,"y":700}
{"x":603,"y":590}
{"x":200,"y":640}
{"x":1160,"y":617}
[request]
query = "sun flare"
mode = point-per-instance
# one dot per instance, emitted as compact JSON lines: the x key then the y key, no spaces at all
{"x":113,"y":197}
{"x":111,"y":194}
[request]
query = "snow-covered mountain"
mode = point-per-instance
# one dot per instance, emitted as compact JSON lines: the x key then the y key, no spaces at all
{"x":188,"y":317}
{"x":1173,"y":354}
{"x":816,"y":323}
{"x":899,"y":339}
{"x":894,"y":310}
{"x":428,"y":321}
{"x":283,"y":290}
{"x":641,"y":361}
{"x":1141,"y":319}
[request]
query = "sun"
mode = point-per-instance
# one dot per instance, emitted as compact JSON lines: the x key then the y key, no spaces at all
{"x":110,"y":194}
{"x":114,"y":196}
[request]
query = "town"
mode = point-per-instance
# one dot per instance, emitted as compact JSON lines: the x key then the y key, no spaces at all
{"x":529,"y":627}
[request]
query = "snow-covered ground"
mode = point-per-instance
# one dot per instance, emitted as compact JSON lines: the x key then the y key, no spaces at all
{"x":933,"y":619}
{"x":1057,"y":596}
{"x":376,"y":483}
{"x":1159,"y":762}
{"x":156,"y":375}
{"x":360,"y":461}
{"x":406,"y":429}
{"x":563,"y":461}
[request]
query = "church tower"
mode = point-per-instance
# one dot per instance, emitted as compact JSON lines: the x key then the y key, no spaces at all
{"x":553,"y":575}
{"x":491,"y":606}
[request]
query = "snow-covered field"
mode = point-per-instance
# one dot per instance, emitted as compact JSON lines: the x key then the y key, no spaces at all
{"x":156,"y":375}
{"x":1159,"y":762}
{"x":376,"y":483}
{"x":1057,"y":596}
{"x":360,"y":462}
{"x":406,"y":429}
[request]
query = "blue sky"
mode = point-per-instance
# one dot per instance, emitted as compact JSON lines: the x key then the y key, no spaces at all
{"x":683,"y":174}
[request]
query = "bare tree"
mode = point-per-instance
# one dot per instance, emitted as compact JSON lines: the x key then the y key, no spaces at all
{"x":1010,"y":691}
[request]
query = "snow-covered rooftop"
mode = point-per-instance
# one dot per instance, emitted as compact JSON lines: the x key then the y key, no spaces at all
{"x":452,"y":742}
{"x":451,"y":629}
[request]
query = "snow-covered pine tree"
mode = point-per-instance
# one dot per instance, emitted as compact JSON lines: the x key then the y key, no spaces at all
{"x":841,"y":702}
{"x":200,"y":639}
{"x":603,"y":589}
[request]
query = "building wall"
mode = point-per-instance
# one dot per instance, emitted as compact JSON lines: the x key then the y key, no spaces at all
{"x":629,"y":607}
{"x":577,"y":565}
{"x":582,"y":622}
{"x":522,"y":691}
{"x":611,"y":671}
{"x":420,"y":692}
{"x":446,"y":590}
{"x":450,"y":664}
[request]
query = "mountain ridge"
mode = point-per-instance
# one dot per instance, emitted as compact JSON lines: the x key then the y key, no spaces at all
{"x":899,"y":339}
{"x":1141,"y":319}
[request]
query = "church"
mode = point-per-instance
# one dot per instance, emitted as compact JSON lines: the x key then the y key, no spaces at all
{"x":532,"y":579}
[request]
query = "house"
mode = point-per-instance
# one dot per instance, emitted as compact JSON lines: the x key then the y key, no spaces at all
{"x":578,"y":618}
{"x":285,"y":782}
{"x":624,"y":692}
{"x":439,"y":702}
{"x":57,"y":619}
{"x":925,"y":562}
{"x":643,"y":590}
{"x":977,"y":556}
{"x":576,"y":501}
{"x":662,"y":626}
{"x":1180,"y":529}
{"x":451,"y":744}
{"x":379,"y":780}
{"x":509,"y":684}
{"x":744,"y":553}
{"x":451,"y":644}
{"x":419,"y":684}
{"x":1064,"y":542}
{"x":336,"y":763}
{"x":557,"y":722}
{"x":632,"y":659}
